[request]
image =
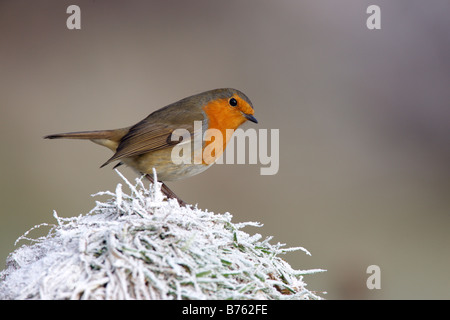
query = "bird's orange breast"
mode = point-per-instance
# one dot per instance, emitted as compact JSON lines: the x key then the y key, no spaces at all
{"x":221,"y":117}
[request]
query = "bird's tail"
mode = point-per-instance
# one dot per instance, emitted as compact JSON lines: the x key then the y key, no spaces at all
{"x":99,"y":134}
{"x":106,"y":138}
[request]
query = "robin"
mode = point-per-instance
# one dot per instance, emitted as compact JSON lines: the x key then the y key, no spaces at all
{"x":149,"y":143}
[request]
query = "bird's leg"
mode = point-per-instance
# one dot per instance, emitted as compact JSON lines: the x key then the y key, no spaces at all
{"x":165,"y":189}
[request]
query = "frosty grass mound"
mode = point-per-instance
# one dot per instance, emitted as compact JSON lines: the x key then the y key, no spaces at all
{"x":143,"y":246}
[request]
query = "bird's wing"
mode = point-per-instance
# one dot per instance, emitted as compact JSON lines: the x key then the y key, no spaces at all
{"x":151,"y":134}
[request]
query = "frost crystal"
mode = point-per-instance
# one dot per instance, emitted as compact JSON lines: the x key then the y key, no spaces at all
{"x":143,"y":246}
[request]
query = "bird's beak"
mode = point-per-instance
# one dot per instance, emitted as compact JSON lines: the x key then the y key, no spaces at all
{"x":250,"y":117}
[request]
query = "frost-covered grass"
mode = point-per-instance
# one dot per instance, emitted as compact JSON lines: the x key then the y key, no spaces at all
{"x":142,"y":246}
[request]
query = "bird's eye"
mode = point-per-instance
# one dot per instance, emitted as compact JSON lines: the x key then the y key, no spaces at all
{"x":233,"y":102}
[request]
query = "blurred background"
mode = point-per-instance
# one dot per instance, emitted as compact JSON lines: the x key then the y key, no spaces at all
{"x":364,"y":120}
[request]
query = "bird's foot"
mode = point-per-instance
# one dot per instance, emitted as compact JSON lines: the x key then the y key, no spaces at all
{"x":166,"y":191}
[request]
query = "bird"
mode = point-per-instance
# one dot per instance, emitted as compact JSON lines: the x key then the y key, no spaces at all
{"x":149,"y":144}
